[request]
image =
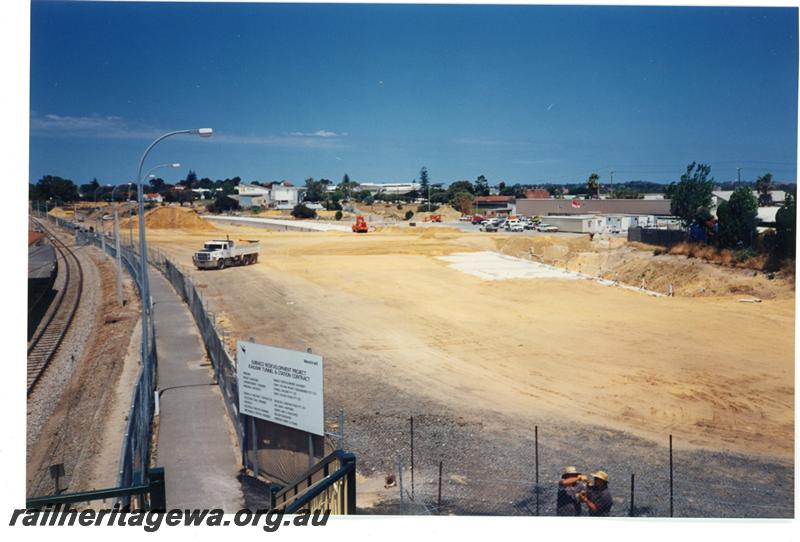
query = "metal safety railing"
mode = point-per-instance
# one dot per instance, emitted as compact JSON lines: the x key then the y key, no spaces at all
{"x":150,"y":496}
{"x":330,"y":485}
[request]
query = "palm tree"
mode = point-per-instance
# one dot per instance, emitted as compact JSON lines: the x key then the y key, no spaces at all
{"x":593,"y":184}
{"x":763,"y":187}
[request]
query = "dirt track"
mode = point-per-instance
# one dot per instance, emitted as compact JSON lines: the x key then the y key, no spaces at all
{"x":716,"y":373}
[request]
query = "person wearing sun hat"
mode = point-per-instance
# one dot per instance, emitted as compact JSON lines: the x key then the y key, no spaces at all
{"x":597,"y":498}
{"x":569,"y":487}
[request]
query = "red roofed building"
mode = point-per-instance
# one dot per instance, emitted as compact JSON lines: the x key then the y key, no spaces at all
{"x":500,"y":205}
{"x":537,"y":193}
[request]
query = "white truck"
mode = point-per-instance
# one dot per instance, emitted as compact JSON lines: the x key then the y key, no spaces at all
{"x":222,"y":253}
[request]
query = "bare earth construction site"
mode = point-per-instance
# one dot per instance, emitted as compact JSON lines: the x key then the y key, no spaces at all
{"x":607,"y":373}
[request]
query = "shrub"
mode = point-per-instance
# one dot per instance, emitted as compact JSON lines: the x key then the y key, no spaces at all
{"x":223,"y":203}
{"x":409,"y":214}
{"x":301,"y":211}
{"x":427,"y":207}
{"x":744,"y":254}
{"x":338,"y":215}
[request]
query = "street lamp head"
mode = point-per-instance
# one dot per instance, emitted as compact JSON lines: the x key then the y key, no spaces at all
{"x":176,"y":165}
{"x":203,"y":132}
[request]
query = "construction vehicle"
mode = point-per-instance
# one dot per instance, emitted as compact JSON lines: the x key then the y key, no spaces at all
{"x":360,"y":225}
{"x":436,"y":218}
{"x":222,"y":253}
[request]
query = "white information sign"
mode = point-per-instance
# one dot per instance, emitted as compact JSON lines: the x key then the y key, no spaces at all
{"x":281,"y":386}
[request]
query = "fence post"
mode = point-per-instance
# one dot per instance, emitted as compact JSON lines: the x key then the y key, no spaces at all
{"x":536,"y":460}
{"x":671,"y":509}
{"x":439,"y":499}
{"x":158,"y":489}
{"x":412,"y":456}
{"x":254,"y":436}
{"x":632,"y":510}
{"x":400,"y":480}
{"x":341,"y":429}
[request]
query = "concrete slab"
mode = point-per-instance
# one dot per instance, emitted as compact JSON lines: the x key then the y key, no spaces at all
{"x":196,"y":441}
{"x":279,"y":224}
{"x":495,"y":266}
{"x":488,"y":265}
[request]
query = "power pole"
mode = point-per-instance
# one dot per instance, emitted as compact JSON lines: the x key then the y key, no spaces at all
{"x":611,"y":181}
{"x":739,"y":175}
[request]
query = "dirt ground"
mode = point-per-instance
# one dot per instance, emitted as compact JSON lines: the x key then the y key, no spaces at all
{"x":713,"y":371}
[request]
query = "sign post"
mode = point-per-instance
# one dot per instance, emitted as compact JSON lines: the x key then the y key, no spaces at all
{"x":281,"y":386}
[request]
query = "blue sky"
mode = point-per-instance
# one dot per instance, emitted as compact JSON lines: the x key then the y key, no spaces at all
{"x":525,"y":94}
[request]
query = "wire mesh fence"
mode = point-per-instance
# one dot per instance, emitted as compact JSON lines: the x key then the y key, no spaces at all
{"x":430,"y":478}
{"x":135,"y":452}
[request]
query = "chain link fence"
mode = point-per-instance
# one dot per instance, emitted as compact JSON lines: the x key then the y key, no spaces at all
{"x":429,"y":477}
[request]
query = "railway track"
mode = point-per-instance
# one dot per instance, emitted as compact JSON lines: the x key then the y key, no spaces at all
{"x":45,"y":343}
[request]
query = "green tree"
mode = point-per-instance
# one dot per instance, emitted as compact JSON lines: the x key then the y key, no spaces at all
{"x":481,"y":186}
{"x":424,"y":182}
{"x":692,"y":193}
{"x":51,"y":186}
{"x":347,"y":187}
{"x":623,"y":192}
{"x":462,"y":202}
{"x":315,"y":190}
{"x":593,"y":185}
{"x":737,"y":219}
{"x":158,"y":185}
{"x":459,"y":186}
{"x":301,"y":211}
{"x":785,"y":228}
{"x":223,"y":203}
{"x":191,"y":180}
{"x":763,"y":187}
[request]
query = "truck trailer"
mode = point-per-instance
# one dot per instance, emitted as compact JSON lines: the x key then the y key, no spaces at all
{"x":222,"y":253}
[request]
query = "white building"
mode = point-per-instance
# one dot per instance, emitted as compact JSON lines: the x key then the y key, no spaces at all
{"x":202,"y":193}
{"x":718,"y":196}
{"x":576,"y":223}
{"x":280,"y":195}
{"x":388,"y":188}
{"x":284,"y":194}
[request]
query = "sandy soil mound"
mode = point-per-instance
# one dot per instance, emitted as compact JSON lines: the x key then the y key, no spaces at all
{"x":614,"y":259}
{"x":61,"y":213}
{"x":173,"y":218}
{"x":397,"y":212}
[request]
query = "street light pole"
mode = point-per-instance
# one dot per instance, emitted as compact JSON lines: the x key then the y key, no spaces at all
{"x":117,"y":248}
{"x":143,"y":266}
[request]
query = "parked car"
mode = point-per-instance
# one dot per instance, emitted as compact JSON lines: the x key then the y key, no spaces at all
{"x":515,"y":225}
{"x":477,"y":219}
{"x":488,"y":226}
{"x":465,"y":218}
{"x":546,"y":227}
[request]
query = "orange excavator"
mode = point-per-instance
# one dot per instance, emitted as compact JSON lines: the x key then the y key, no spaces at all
{"x":360,"y":225}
